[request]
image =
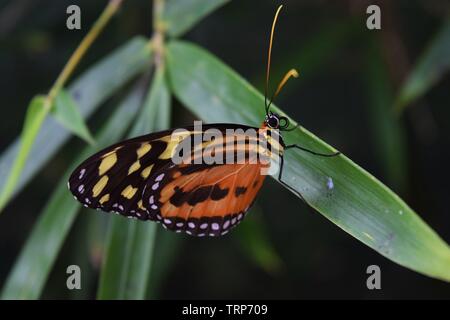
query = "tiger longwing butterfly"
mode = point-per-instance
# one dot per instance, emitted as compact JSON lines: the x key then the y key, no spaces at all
{"x":138,"y":178}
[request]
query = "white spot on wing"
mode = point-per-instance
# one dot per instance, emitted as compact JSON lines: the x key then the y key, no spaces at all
{"x":215,"y":226}
{"x":82,"y":172}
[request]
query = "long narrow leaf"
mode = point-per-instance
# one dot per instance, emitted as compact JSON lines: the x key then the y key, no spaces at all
{"x":65,"y":110}
{"x":36,"y":113}
{"x":387,"y":130}
{"x":432,"y":65}
{"x":180,"y":16}
{"x":39,"y":253}
{"x":358,"y":203}
{"x":129,"y":253}
{"x":256,"y":244}
{"x":91,"y":89}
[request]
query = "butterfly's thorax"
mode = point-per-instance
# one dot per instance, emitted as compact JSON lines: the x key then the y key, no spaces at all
{"x":273,"y":138}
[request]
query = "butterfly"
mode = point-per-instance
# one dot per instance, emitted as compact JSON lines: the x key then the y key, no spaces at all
{"x":139,"y":178}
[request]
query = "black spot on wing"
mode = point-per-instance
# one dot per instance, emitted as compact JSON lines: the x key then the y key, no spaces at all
{"x":240,"y":191}
{"x":199,"y":195}
{"x":218,"y":193}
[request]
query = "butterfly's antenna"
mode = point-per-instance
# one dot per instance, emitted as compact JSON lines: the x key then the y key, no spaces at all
{"x":269,"y":54}
{"x":287,"y":76}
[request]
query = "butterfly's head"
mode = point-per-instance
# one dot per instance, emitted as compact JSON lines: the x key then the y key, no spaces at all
{"x":275,"y":121}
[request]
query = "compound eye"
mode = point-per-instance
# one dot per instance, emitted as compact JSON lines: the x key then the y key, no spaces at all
{"x":273,"y":122}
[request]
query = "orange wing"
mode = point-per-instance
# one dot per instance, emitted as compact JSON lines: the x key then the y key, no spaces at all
{"x":203,"y":200}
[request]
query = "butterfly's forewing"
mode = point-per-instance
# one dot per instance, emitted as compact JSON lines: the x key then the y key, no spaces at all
{"x":114,"y":178}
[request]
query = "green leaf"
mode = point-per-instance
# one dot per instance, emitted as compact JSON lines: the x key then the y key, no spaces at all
{"x":256,"y":244}
{"x":430,"y":68}
{"x":89,"y":91}
{"x":29,"y":273}
{"x":128,"y":258}
{"x":387,"y":130}
{"x":36,"y":113}
{"x":358,"y":203}
{"x":65,"y":110}
{"x":164,"y":258}
{"x":180,"y":16}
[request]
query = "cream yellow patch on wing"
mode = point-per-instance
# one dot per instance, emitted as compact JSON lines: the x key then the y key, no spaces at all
{"x":104,"y":199}
{"x":169,"y":151}
{"x":134,"y":167}
{"x":129,"y":192}
{"x":146,"y":172}
{"x":99,"y":186}
{"x":143,"y":149}
{"x":172,"y":142}
{"x":140,"y":206}
{"x":107,"y":163}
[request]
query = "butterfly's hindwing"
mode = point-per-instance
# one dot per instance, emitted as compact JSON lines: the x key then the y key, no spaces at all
{"x":202,"y":200}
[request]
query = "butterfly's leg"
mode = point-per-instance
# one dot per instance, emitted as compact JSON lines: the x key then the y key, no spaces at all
{"x":312,"y":152}
{"x":285,"y":184}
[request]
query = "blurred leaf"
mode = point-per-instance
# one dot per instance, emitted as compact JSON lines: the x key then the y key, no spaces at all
{"x":358,"y":203}
{"x":256,"y":244}
{"x":112,"y":284}
{"x":180,"y":16}
{"x":36,"y":113}
{"x":432,"y":65}
{"x":38,"y":255}
{"x":164,"y":257}
{"x":129,"y":253}
{"x":388,"y":132}
{"x":66,"y":112}
{"x":91,"y":89}
{"x":85,"y":247}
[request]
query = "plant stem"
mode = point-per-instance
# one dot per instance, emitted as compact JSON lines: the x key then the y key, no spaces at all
{"x":78,"y":54}
{"x":157,"y":41}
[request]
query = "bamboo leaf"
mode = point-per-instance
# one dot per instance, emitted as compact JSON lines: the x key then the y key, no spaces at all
{"x":357,"y":203}
{"x":164,"y":257}
{"x":387,"y":130}
{"x":180,"y":16}
{"x":256,"y":244}
{"x":36,"y":113}
{"x":66,"y":112}
{"x":91,"y":89}
{"x":430,"y":68}
{"x":30,"y":272}
{"x":128,"y":258}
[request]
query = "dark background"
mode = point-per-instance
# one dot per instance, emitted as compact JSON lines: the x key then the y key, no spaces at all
{"x":318,"y":260}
